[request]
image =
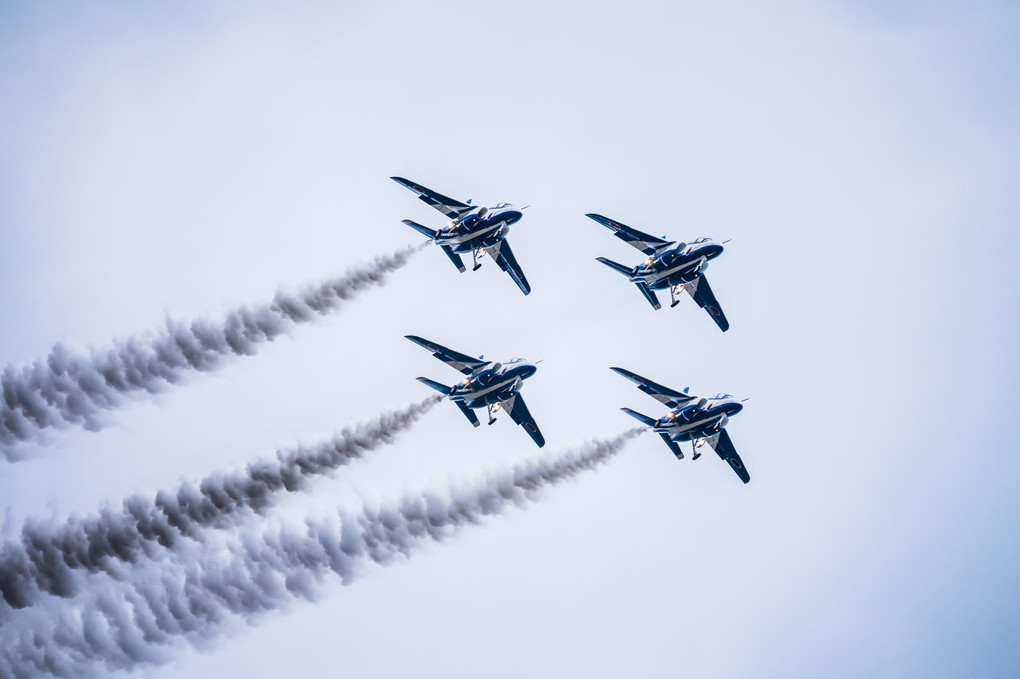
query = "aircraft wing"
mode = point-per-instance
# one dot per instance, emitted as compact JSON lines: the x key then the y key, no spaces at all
{"x":723,"y":447}
{"x":663,"y":395}
{"x":519,"y":413}
{"x":642,"y":241}
{"x":703,"y":295}
{"x":507,"y":262}
{"x":456,"y":360}
{"x":448,"y":206}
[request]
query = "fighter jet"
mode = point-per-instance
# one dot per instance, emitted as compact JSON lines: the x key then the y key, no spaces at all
{"x":698,"y":420}
{"x":473,"y":228}
{"x":493,"y":385}
{"x":672,"y":265}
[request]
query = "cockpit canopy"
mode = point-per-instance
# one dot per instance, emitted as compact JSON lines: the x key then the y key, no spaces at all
{"x":700,"y":240}
{"x":720,"y":396}
{"x":500,"y":206}
{"x":515,"y":359}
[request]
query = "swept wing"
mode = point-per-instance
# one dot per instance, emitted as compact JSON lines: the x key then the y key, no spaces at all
{"x":507,"y":262}
{"x":448,"y":206}
{"x":642,"y":241}
{"x":664,"y":395}
{"x":456,"y":360}
{"x":723,"y":447}
{"x":519,"y":413}
{"x":703,"y":295}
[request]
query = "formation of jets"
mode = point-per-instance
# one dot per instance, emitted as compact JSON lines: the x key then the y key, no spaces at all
{"x":670,"y":265}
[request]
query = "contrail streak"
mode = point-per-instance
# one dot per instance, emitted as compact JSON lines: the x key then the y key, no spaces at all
{"x":196,"y":596}
{"x":53,"y":560}
{"x":64,"y":389}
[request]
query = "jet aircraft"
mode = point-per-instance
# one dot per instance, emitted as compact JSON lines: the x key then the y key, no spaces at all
{"x":473,"y":228}
{"x":670,"y":265}
{"x":698,"y":420}
{"x":493,"y":385}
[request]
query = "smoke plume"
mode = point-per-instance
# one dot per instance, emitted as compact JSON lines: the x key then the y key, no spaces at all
{"x":66,"y":389}
{"x":194,"y":595}
{"x":53,"y":560}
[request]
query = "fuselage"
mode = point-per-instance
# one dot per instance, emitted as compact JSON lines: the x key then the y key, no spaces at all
{"x":493,"y":385}
{"x":676,"y":266}
{"x":480,"y":228}
{"x":693,"y":422}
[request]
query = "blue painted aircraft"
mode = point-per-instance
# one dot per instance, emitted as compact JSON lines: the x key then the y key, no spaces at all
{"x":473,"y":228}
{"x":488,"y":384}
{"x":698,"y":420}
{"x":676,"y":266}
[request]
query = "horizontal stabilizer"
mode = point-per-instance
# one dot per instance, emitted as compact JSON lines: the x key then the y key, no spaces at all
{"x":441,"y":388}
{"x":421,"y":228}
{"x":649,"y":295}
{"x":673,"y":447}
{"x":468,"y":413}
{"x":454,"y":257}
{"x":644,"y":419}
{"x":616,"y":266}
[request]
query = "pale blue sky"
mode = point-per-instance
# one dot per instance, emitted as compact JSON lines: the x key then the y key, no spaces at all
{"x":862,"y":157}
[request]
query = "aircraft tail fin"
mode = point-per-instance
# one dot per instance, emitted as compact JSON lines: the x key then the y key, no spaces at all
{"x":644,"y":419}
{"x":420,"y":228}
{"x":616,"y":266}
{"x":441,"y":388}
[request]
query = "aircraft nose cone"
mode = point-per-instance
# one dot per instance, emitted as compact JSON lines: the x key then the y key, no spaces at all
{"x":528,"y":370}
{"x":713,"y":250}
{"x":512,"y":216}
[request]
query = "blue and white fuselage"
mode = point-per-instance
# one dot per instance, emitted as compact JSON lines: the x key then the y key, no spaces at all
{"x":675,"y":265}
{"x":472,"y":228}
{"x":479,"y":230}
{"x":698,"y":420}
{"x":493,"y":385}
{"x":489,"y":385}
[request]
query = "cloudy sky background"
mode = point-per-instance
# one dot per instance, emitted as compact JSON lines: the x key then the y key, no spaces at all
{"x":177,"y":162}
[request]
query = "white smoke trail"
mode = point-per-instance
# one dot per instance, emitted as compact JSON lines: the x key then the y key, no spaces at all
{"x":54,"y":559}
{"x":64,"y":389}
{"x":194,"y":596}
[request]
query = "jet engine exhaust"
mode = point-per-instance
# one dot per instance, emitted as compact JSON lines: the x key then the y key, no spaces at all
{"x":66,"y":389}
{"x":53,"y":559}
{"x":141,"y":616}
